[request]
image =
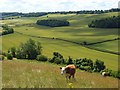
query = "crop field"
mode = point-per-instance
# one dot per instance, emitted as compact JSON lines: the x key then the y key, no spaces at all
{"x":24,"y":73}
{"x":33,"y":74}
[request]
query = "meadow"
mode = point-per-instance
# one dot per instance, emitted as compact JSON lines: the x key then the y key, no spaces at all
{"x":79,"y":32}
{"x":34,"y":74}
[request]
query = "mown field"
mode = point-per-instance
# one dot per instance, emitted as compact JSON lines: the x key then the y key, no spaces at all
{"x":33,"y":74}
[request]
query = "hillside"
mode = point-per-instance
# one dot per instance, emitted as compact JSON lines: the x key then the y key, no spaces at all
{"x":34,"y":74}
{"x":78,"y":31}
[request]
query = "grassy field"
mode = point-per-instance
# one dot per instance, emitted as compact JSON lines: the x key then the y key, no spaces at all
{"x":73,"y":50}
{"x":33,"y":74}
{"x":24,"y":73}
{"x":77,"y":32}
{"x":108,"y":45}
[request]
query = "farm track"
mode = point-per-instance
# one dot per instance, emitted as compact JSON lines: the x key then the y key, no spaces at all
{"x":86,"y":46}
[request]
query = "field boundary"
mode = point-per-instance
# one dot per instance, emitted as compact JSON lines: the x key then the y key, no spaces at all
{"x":86,"y":46}
{"x":103,"y":41}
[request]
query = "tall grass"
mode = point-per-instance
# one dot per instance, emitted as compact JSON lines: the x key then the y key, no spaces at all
{"x":34,"y":74}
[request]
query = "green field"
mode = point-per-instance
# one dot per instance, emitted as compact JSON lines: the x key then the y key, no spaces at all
{"x":33,"y":74}
{"x":108,"y":45}
{"x":29,"y":74}
{"x":78,"y":31}
{"x":73,"y":50}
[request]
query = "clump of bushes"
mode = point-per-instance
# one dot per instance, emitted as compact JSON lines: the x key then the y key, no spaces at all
{"x":84,"y":64}
{"x":57,"y":58}
{"x":53,"y":22}
{"x":7,"y":30}
{"x":9,"y":56}
{"x":58,"y":61}
{"x":28,"y":50}
{"x":70,"y":61}
{"x":4,"y":53}
{"x":88,"y":65}
{"x":41,"y":58}
{"x":98,"y":66}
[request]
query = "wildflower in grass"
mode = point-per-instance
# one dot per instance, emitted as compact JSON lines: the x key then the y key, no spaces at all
{"x":70,"y":85}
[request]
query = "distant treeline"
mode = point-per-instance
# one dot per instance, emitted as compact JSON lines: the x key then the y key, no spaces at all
{"x":6,"y":30}
{"x":37,"y":14}
{"x":53,"y":22}
{"x":87,"y":11}
{"x":4,"y":15}
{"x":9,"y":14}
{"x":34,"y":14}
{"x":111,"y":22}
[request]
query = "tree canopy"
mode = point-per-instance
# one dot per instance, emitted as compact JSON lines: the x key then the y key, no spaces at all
{"x":29,"y":50}
{"x":53,"y":23}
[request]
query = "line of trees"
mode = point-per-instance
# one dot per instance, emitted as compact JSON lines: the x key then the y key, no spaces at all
{"x":53,"y":22}
{"x":34,"y":14}
{"x":9,"y":14}
{"x":7,"y":30}
{"x":86,"y":11}
{"x":98,"y":11}
{"x":111,"y":22}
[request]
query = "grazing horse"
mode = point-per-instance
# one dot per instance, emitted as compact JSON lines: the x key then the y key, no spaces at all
{"x":69,"y":70}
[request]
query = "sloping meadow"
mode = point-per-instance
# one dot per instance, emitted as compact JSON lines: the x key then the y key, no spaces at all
{"x":34,"y":74}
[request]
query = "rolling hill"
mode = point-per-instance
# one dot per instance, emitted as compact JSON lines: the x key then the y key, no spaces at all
{"x":78,"y":31}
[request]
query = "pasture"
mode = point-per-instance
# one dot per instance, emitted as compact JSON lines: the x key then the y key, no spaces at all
{"x":34,"y":74}
{"x":73,"y":50}
{"x":77,"y":32}
{"x":29,"y":74}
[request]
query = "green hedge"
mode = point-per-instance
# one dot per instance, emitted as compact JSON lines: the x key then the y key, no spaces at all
{"x":41,"y":58}
{"x":9,"y":56}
